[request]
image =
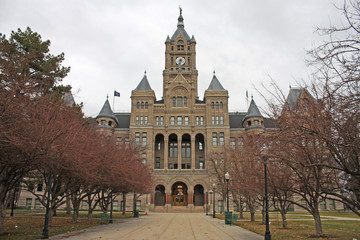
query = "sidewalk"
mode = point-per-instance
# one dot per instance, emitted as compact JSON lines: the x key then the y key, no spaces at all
{"x":182,"y":226}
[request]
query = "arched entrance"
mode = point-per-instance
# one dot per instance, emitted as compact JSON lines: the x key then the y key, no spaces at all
{"x":179,"y":195}
{"x":159,"y":195}
{"x":198,"y":195}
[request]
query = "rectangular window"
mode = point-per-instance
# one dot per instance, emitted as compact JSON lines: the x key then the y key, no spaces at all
{"x":322,"y":205}
{"x":144,"y":139}
{"x":232,"y":143}
{"x":157,"y":163}
{"x":201,"y":163}
{"x":183,"y":166}
{"x":138,"y":205}
{"x":158,"y":145}
{"x":37,"y":204}
{"x":179,"y":121}
{"x":256,"y":122}
{"x":197,"y":120}
{"x":172,"y":121}
{"x":213,"y":120}
{"x":157,"y":121}
{"x":161,"y":121}
{"x":39,"y":187}
{"x":28,"y":203}
{"x":179,"y":101}
{"x":331,"y":204}
{"x":201,"y":121}
{"x":240,"y":143}
{"x":141,"y":120}
{"x":186,"y":121}
{"x":185,"y":101}
{"x":83,"y":205}
{"x":221,"y":139}
{"x":137,"y":138}
{"x":201,"y":147}
{"x":137,"y":120}
{"x":214,"y":139}
{"x":171,"y":166}
{"x":122,"y":206}
{"x":220,"y":206}
{"x":174,"y":101}
{"x":103,"y":122}
{"x":116,"y":205}
{"x":221,"y":120}
{"x":172,"y":61}
{"x":189,"y":61}
{"x":146,"y":120}
{"x":217,"y":120}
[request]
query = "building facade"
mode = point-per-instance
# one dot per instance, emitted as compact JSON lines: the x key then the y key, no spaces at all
{"x":177,"y":133}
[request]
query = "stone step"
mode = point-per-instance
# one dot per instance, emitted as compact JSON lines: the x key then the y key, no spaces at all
{"x":178,"y":209}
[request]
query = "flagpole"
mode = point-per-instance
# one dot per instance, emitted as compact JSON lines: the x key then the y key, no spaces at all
{"x":114,"y":101}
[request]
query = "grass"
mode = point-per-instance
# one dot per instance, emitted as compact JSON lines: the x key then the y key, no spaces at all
{"x":302,"y":229}
{"x":29,"y":225}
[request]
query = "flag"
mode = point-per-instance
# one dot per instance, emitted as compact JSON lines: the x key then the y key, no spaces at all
{"x":247,"y":94}
{"x":116,"y":94}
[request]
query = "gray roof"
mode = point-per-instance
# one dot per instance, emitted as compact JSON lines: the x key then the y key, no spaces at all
{"x":215,"y":84}
{"x":124,"y":119}
{"x":236,"y":119}
{"x":68,"y":99}
{"x":253,"y":111}
{"x":107,"y":112}
{"x":144,"y":84}
{"x":292,"y":98}
{"x":180,"y":30}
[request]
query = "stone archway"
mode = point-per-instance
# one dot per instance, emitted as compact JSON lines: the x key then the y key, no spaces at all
{"x":198,"y":195}
{"x":179,"y":194}
{"x":159,"y":195}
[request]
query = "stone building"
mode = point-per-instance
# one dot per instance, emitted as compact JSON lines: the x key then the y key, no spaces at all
{"x":177,"y":132}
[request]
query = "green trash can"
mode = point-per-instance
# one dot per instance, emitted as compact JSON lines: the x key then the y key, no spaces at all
{"x":228,"y":217}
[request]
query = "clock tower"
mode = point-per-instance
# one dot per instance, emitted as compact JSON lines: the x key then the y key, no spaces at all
{"x":180,"y":46}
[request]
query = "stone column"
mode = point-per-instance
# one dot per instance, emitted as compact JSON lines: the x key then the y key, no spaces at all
{"x":190,"y":199}
{"x":179,"y":152}
{"x":166,"y":152}
{"x":167,"y":198}
{"x":193,"y":145}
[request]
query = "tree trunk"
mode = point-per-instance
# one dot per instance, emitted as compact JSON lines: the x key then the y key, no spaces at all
{"x":2,"y":216}
{"x":124,"y":204}
{"x":76,"y":207}
{"x":263,"y":215}
{"x":283,"y":216}
{"x":318,"y":226}
{"x":51,"y":214}
{"x":68,"y":205}
{"x":252,"y":214}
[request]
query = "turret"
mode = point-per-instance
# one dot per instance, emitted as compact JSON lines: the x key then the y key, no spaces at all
{"x":106,"y":117}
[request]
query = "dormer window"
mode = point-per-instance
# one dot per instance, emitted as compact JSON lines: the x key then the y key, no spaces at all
{"x":110,"y":123}
{"x":249,"y":123}
{"x":103,"y":123}
{"x":256,"y":122}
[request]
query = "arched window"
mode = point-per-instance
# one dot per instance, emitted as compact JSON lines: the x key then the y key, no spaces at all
{"x":142,"y":105}
{"x":212,"y":105}
{"x":185,"y":101}
{"x":217,"y":105}
{"x":146,"y":105}
{"x":174,"y":101}
{"x":137,"y":105}
{"x":221,"y":105}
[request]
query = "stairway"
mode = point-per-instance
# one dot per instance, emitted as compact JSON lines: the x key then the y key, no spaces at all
{"x":179,"y":209}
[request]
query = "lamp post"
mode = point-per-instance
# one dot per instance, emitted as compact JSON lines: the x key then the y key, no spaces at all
{"x":267,"y":232}
{"x":214,"y":187}
{"x":207,"y":201}
{"x":111,"y":208}
{"x":13,"y":201}
{"x":227,"y":178}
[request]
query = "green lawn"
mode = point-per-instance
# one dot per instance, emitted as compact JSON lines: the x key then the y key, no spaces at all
{"x":29,"y":224}
{"x":303,"y":226}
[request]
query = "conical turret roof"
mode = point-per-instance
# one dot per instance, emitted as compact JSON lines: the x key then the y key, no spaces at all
{"x":253,"y":111}
{"x":215,"y":84}
{"x":107,"y":112}
{"x":144,"y":84}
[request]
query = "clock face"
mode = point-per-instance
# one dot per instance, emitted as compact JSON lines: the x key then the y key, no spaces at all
{"x":180,"y":61}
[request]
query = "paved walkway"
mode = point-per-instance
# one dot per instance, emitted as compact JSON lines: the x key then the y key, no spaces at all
{"x":184,"y":226}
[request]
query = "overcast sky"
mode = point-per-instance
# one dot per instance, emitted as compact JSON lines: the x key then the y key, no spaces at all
{"x":109,"y":44}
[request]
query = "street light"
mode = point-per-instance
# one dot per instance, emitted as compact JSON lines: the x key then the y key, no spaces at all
{"x":267,"y":232}
{"x":227,"y":178}
{"x":207,"y":201}
{"x":214,"y":188}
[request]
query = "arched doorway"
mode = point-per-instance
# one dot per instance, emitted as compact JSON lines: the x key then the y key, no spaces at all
{"x":159,"y":152}
{"x":198,"y":195}
{"x":179,"y":195}
{"x":159,"y":195}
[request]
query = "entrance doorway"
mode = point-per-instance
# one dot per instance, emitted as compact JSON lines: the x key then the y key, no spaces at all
{"x":198,"y":195}
{"x":179,"y":195}
{"x":160,"y":195}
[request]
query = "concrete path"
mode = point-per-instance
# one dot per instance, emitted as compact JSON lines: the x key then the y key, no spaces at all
{"x":184,"y":226}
